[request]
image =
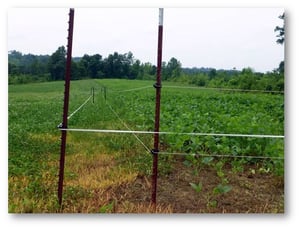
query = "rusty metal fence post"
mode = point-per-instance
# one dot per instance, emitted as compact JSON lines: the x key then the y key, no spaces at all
{"x":66,"y":107}
{"x":158,"y":86}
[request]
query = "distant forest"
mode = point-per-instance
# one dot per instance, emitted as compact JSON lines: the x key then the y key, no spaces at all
{"x":28,"y":68}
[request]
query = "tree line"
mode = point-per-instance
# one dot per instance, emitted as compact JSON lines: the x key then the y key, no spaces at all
{"x":245,"y":79}
{"x":25,"y":68}
{"x":28,"y":68}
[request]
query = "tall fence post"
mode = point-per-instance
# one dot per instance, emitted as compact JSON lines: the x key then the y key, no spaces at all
{"x":157,"y":86}
{"x":66,"y":107}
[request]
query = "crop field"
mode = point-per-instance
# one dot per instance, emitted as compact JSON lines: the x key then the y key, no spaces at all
{"x":111,"y":172}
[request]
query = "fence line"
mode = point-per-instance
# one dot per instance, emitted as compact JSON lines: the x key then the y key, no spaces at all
{"x":115,"y":113}
{"x":133,"y":89}
{"x":223,"y":89}
{"x":129,"y":131}
{"x":197,"y":88}
{"x":168,"y":153}
{"x":74,"y":112}
{"x":135,"y":132}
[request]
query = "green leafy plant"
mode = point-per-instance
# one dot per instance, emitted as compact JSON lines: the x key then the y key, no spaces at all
{"x":108,"y":208}
{"x":197,"y":187}
{"x":221,"y":189}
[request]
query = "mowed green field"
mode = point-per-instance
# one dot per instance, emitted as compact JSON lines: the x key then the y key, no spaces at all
{"x":98,"y":162}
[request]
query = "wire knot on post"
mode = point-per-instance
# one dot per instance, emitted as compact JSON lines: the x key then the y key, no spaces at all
{"x":156,"y":85}
{"x":154,"y":151}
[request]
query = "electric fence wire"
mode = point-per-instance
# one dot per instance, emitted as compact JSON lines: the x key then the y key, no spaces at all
{"x":132,"y":89}
{"x":207,"y":134}
{"x":135,"y":132}
{"x":176,"y":153}
{"x":114,"y":112}
{"x":223,"y":89}
{"x":129,"y":130}
{"x":74,"y":112}
{"x":199,"y":88}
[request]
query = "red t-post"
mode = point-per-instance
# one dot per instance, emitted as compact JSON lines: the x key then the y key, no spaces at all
{"x":66,"y":107}
{"x":157,"y":85}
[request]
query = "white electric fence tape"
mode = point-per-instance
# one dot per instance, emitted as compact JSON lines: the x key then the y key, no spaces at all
{"x":175,"y":133}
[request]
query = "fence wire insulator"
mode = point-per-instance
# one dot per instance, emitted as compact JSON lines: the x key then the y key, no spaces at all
{"x":156,"y":85}
{"x":154,"y":151}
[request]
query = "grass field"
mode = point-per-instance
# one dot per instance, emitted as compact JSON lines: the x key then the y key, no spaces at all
{"x":111,"y":173}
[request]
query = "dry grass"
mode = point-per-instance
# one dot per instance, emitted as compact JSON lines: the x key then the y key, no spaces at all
{"x":97,"y":171}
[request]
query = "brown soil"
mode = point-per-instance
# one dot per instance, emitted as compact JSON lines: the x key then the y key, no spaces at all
{"x":252,"y":192}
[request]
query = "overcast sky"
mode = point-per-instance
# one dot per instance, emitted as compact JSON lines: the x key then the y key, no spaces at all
{"x":197,"y":37}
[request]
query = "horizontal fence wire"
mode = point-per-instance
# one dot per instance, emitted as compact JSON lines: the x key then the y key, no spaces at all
{"x":182,"y":154}
{"x":129,"y":90}
{"x":172,"y":133}
{"x":199,"y":88}
{"x":223,"y":89}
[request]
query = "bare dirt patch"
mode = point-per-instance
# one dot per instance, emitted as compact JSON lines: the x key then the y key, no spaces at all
{"x":252,"y":192}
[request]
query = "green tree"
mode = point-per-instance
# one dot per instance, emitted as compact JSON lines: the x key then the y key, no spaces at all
{"x":279,"y":29}
{"x":75,"y":74}
{"x":212,"y":73}
{"x":247,"y":79}
{"x":112,"y":66}
{"x":81,"y":68}
{"x":147,"y":71}
{"x":95,"y":66}
{"x":281,"y":67}
{"x":173,"y":69}
{"x":118,"y":65}
{"x":280,"y":40}
{"x":127,"y":61}
{"x":135,"y":69}
{"x":12,"y":69}
{"x":57,"y":64}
